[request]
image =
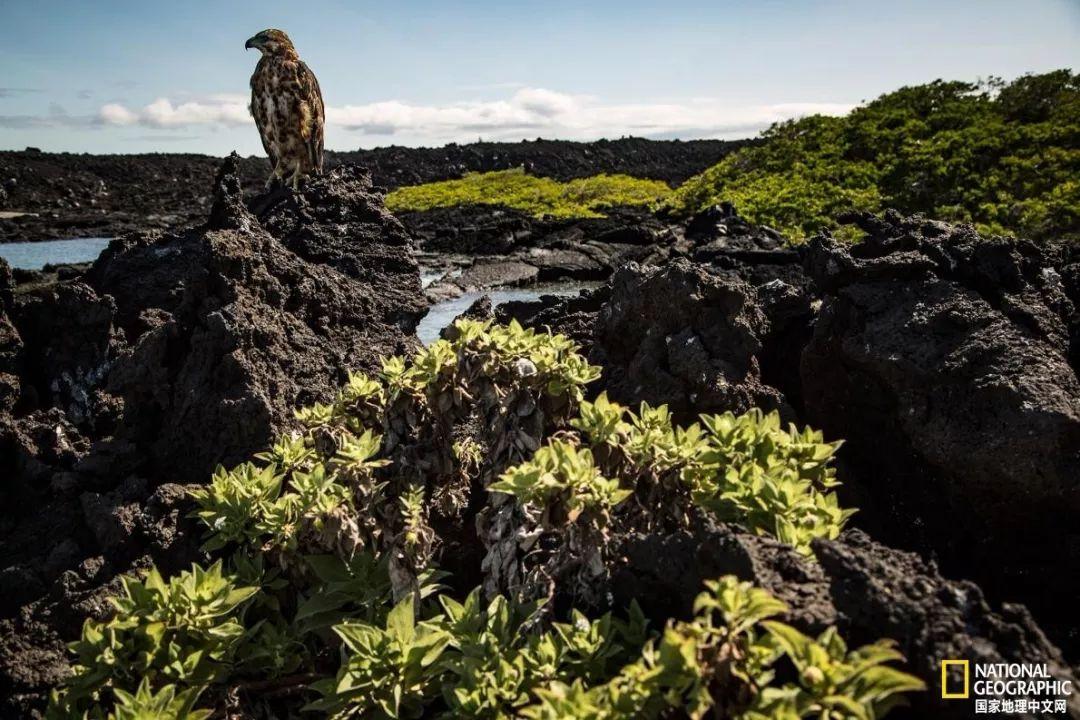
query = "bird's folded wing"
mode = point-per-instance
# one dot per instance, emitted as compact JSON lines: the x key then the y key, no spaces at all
{"x":312,"y":95}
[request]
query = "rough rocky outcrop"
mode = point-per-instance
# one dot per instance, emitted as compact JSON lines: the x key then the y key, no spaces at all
{"x":683,"y":334}
{"x":496,"y":246}
{"x":719,"y":237}
{"x":946,"y":361}
{"x":867,"y":590}
{"x":943,"y":359}
{"x":10,"y":343}
{"x":175,"y":352}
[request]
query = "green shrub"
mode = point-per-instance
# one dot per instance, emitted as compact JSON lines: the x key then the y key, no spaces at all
{"x":538,"y":196}
{"x":561,"y":475}
{"x":1003,"y":156}
{"x":751,"y":471}
{"x":182,"y":631}
{"x":332,"y":593}
{"x":722,"y":663}
{"x":166,"y":704}
{"x":745,"y":469}
{"x":388,"y":672}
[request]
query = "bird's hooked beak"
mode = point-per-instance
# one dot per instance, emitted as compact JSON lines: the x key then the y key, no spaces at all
{"x":253,"y":42}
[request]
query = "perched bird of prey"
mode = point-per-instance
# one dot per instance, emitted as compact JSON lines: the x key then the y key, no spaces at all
{"x":287,"y":105}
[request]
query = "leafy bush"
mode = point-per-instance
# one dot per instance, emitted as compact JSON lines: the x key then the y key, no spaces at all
{"x":749,"y":470}
{"x":166,"y":704}
{"x":388,"y":670}
{"x":182,"y":631}
{"x":488,"y":664}
{"x":623,"y":473}
{"x":538,"y":196}
{"x":561,"y":475}
{"x":744,"y":469}
{"x":723,"y":662}
{"x":1004,"y":156}
{"x":329,"y":592}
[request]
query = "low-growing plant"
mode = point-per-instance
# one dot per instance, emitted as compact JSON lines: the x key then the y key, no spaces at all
{"x":183,"y":631}
{"x":833,"y":682}
{"x":626,"y":472}
{"x":562,"y":478}
{"x":332,"y":594}
{"x":538,"y":196}
{"x":771,"y":480}
{"x":165,"y":704}
{"x":723,"y":663}
{"x":233,"y":504}
{"x":388,"y":672}
{"x":489,"y":660}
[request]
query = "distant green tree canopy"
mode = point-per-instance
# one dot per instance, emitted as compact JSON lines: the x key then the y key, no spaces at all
{"x":1004,"y":156}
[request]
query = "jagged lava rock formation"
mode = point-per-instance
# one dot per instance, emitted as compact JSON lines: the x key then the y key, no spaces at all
{"x":175,"y":352}
{"x":946,"y":361}
{"x":865,"y":589}
{"x":80,"y":195}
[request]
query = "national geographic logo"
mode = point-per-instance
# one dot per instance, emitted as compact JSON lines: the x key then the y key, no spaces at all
{"x":955,"y":679}
{"x":1006,"y":688}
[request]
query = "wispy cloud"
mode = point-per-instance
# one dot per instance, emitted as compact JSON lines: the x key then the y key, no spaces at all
{"x":57,"y":116}
{"x":555,"y":114}
{"x":527,"y":112}
{"x":6,"y":92}
{"x":229,"y":110}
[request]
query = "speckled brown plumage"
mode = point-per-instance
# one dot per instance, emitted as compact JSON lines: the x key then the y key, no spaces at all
{"x":287,"y":105}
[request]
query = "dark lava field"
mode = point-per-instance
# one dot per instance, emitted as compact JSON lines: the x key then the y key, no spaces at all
{"x":77,"y":195}
{"x":946,"y":361}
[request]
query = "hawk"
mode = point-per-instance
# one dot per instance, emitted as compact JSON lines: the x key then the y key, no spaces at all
{"x":287,"y":105}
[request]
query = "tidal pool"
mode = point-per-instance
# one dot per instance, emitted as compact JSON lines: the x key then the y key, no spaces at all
{"x":36,"y":255}
{"x":443,"y":313}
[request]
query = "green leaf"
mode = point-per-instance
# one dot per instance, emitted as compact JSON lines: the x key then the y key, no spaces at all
{"x":401,"y":622}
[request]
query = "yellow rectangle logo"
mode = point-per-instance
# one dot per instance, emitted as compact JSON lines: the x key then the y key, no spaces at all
{"x":955,"y":694}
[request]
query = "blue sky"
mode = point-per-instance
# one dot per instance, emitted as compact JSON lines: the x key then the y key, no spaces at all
{"x":140,"y":76}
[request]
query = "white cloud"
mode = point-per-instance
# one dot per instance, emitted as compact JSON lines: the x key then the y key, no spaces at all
{"x":545,"y":102}
{"x":528,"y":112}
{"x":116,"y":114}
{"x":214,"y":110}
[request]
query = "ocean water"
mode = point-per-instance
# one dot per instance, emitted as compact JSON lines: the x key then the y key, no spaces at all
{"x":443,"y":313}
{"x":35,"y":255}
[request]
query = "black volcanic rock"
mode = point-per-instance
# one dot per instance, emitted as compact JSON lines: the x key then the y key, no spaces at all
{"x":11,"y":345}
{"x":943,"y":359}
{"x":508,"y":247}
{"x":683,"y":336}
{"x":867,"y":590}
{"x":174,"y":353}
{"x":946,"y":361}
{"x":232,"y":328}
